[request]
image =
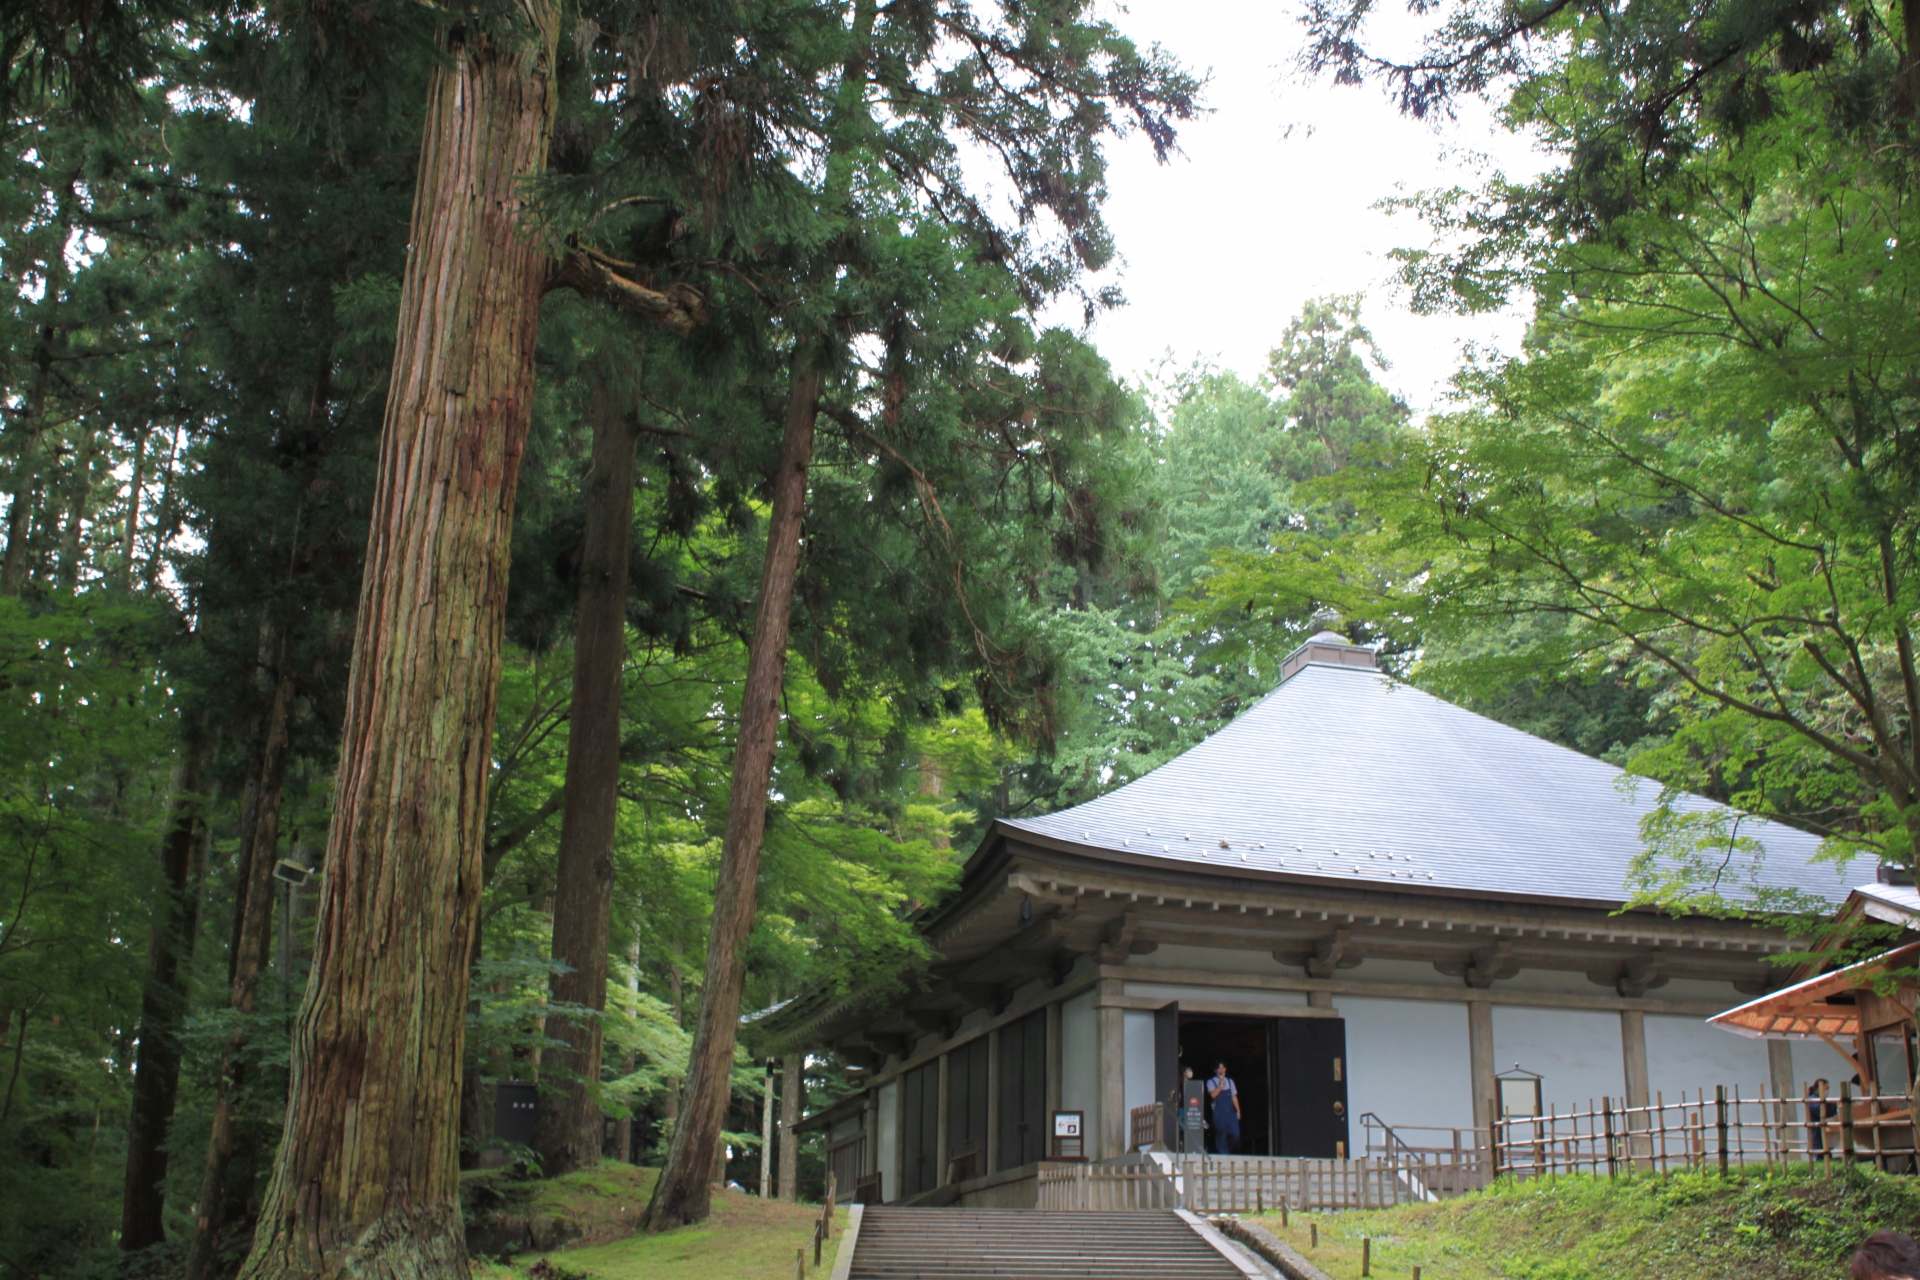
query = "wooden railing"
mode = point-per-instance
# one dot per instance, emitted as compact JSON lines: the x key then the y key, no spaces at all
{"x":1086,"y":1187}
{"x":1721,"y":1130}
{"x":1447,"y":1161}
{"x":1229,"y":1184}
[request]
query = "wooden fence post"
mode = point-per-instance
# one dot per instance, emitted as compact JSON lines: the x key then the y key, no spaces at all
{"x":1720,"y":1122}
{"x":1493,"y":1139}
{"x":1846,"y":1121}
{"x":1607,"y":1104}
{"x":1366,"y":1255}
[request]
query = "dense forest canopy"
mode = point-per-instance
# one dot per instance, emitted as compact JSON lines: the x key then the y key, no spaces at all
{"x":796,"y":548}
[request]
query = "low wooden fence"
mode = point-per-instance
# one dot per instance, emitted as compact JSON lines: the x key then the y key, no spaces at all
{"x":1721,"y":1130}
{"x":1445,"y":1161}
{"x":1229,"y":1184}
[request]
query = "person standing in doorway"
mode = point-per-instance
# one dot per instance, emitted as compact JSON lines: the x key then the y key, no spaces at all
{"x":1225,"y":1096}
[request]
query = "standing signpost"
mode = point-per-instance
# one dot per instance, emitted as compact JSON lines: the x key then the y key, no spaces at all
{"x":1193,"y":1117}
{"x":1069,"y":1135}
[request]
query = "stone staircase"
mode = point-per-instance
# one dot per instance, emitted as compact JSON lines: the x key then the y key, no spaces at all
{"x":956,"y":1243}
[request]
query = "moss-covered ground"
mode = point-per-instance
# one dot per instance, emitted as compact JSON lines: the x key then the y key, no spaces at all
{"x":747,"y":1238}
{"x":1798,"y":1225}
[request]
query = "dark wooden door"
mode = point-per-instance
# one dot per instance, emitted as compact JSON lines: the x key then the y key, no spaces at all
{"x":920,"y":1137}
{"x":1309,"y":1073}
{"x":1023,"y":1091}
{"x":1166,"y":1071}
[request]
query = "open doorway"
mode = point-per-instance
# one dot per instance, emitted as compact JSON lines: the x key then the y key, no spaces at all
{"x":1291,"y":1073}
{"x":1245,"y":1045}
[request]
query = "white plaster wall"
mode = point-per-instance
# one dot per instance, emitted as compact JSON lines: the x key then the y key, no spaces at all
{"x":1213,"y":959}
{"x":889,"y":1143}
{"x":1685,"y":1055}
{"x":1417,"y":972}
{"x":1254,"y":1000}
{"x":1577,"y":1053}
{"x":1408,"y":1062}
{"x":1137,"y":1033}
{"x":1080,"y":1062}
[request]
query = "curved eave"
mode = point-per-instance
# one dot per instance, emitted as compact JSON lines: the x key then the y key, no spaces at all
{"x":1254,"y":875}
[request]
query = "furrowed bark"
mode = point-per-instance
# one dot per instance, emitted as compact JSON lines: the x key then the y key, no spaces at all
{"x":251,"y":944}
{"x":13,"y":569}
{"x":683,"y":1193}
{"x":366,"y":1180}
{"x":163,"y":1002}
{"x":567,"y":1122}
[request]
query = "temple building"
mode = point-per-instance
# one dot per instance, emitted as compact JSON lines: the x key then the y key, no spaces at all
{"x":1367,"y":901}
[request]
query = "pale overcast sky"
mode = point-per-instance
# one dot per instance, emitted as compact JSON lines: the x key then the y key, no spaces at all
{"x":1272,"y":204}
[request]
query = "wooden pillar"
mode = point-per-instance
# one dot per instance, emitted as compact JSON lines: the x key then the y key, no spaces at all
{"x":943,"y":1143}
{"x":766,"y":1139}
{"x":792,"y":1102}
{"x":992,"y":1163}
{"x":1633,"y":1051}
{"x":870,"y":1126}
{"x":1110,"y":1024}
{"x":1319,"y":999}
{"x":1053,"y":1071}
{"x":1480,"y":1059}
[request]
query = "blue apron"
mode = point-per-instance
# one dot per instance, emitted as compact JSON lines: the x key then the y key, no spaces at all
{"x":1226,"y":1122}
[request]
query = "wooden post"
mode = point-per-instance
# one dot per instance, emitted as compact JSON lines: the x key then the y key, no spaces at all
{"x":1366,"y":1255}
{"x":1283,"y":1213}
{"x":816,"y":1244}
{"x":1607,"y":1115}
{"x":1493,"y":1138}
{"x":1480,"y":1063}
{"x":766,"y":1137}
{"x":799,"y":1264}
{"x":1846,"y":1121}
{"x":1053,"y":1064}
{"x":1111,"y":1054}
{"x":942,"y":1144}
{"x":990,"y":1162}
{"x":1720,"y":1122}
{"x":826,"y":1210}
{"x":1313,"y":1235}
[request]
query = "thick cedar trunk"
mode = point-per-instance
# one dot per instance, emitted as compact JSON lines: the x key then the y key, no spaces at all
{"x":13,"y":569}
{"x":252,"y":942}
{"x":366,"y":1181}
{"x":163,"y":1001}
{"x":567,"y":1124}
{"x":683,"y":1194}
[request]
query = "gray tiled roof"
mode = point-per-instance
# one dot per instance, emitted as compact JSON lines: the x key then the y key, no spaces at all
{"x":1893,"y":903}
{"x":1344,"y":773}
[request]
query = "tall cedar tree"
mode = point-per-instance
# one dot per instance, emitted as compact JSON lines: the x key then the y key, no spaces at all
{"x":366,"y":1179}
{"x":1041,"y":92}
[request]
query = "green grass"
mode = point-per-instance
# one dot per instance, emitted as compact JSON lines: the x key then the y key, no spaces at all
{"x":747,"y":1238}
{"x":1799,"y":1225}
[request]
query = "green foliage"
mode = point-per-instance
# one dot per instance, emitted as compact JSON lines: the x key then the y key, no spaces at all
{"x":1800,"y":1223}
{"x":85,"y":714}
